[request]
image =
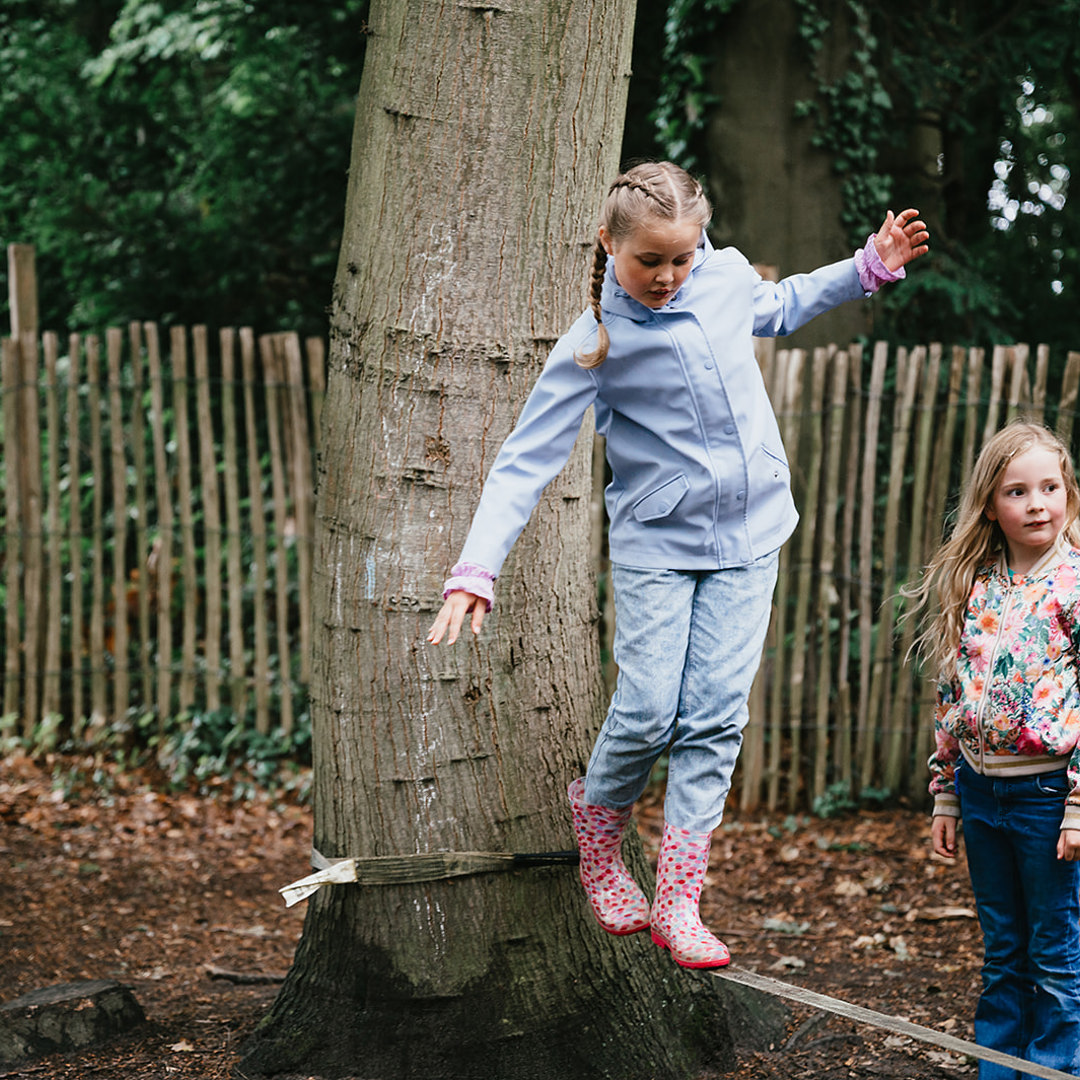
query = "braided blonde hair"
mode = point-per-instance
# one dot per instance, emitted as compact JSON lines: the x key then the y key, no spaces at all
{"x":976,"y":541}
{"x":654,"y":188}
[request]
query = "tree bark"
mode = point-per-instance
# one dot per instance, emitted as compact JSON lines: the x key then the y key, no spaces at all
{"x":485,"y":135}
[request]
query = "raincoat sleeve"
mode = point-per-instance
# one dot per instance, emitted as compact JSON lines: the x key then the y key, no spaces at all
{"x":532,"y":455}
{"x":781,"y":307}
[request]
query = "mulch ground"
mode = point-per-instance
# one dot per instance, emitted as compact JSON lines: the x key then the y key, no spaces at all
{"x":105,"y":876}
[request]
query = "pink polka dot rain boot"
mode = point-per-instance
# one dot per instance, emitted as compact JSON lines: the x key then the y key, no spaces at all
{"x":617,"y":902}
{"x":676,"y":920}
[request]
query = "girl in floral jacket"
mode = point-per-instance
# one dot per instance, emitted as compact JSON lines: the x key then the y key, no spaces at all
{"x":1004,"y":645}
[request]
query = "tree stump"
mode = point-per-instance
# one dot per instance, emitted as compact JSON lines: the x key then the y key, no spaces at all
{"x":69,"y":1016}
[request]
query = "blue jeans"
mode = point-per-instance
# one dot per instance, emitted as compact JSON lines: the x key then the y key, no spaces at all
{"x":687,"y":644}
{"x":1029,"y":911}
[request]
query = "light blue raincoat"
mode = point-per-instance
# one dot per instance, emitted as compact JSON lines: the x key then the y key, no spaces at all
{"x":700,"y":480}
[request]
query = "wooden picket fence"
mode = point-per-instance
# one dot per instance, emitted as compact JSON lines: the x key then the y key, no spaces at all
{"x":157,"y":505}
{"x":157,"y":524}
{"x":880,"y":447}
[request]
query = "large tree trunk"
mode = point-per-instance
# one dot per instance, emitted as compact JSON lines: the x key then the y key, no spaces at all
{"x":485,"y":135}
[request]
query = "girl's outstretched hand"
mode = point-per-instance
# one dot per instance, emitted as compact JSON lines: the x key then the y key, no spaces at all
{"x":901,"y":239}
{"x":452,"y":614}
{"x":1068,"y":847}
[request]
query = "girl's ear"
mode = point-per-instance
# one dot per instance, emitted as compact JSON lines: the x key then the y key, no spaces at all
{"x":990,"y":512}
{"x":605,"y":240}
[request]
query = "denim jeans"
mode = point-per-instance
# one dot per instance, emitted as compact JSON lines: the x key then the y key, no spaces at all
{"x":1029,"y":911}
{"x":687,"y":645}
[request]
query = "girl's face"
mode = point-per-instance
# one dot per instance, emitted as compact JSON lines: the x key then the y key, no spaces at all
{"x":1029,"y":504}
{"x":654,"y":260}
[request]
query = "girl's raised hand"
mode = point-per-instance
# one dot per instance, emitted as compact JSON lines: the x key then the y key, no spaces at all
{"x":901,"y":239}
{"x":452,"y":615}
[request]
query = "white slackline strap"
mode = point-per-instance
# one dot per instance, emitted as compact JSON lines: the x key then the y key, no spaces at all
{"x":883,"y":1020}
{"x":423,"y":866}
{"x":396,"y":869}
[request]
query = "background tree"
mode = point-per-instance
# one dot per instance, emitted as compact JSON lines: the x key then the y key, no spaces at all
{"x":186,"y":161}
{"x":485,"y":136}
{"x":808,"y":116}
{"x":178,"y":161}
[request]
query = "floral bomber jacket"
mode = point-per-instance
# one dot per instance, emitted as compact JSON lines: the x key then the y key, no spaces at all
{"x":1013,"y":706}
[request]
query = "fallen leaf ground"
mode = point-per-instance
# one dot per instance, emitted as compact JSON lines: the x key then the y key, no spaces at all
{"x":105,"y":876}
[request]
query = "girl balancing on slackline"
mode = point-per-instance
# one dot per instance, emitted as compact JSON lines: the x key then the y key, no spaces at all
{"x":699,"y":504}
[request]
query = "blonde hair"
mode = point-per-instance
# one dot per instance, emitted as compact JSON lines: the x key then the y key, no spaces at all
{"x":653,"y":188}
{"x":976,"y":541}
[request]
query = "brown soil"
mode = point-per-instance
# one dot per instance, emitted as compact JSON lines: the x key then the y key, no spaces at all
{"x":175,"y":895}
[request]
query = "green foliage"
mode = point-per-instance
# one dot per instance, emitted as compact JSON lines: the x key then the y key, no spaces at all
{"x":213,"y":753}
{"x":969,"y":112}
{"x":837,"y":799}
{"x":685,"y":98}
{"x":212,"y":749}
{"x":999,"y":85}
{"x":179,"y":161}
{"x":834,"y":800}
{"x":851,"y":115}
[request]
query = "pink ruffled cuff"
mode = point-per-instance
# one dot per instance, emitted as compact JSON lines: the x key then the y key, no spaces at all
{"x":471,"y":578}
{"x":873,"y":273}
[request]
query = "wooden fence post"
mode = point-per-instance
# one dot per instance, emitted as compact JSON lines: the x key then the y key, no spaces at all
{"x":848,"y":580}
{"x":210,"y":500}
{"x":899,"y":743}
{"x":12,"y":534}
{"x":189,"y":630}
{"x":50,"y":691}
{"x":22,"y":289}
{"x":864,"y":735}
{"x":143,"y":566}
{"x":233,"y":539}
{"x":827,"y":596}
{"x":789,"y":408}
{"x":272,"y":375}
{"x":98,"y":687}
{"x":160,"y":561}
{"x":78,"y":636}
{"x":121,"y":652}
{"x":258,"y":537}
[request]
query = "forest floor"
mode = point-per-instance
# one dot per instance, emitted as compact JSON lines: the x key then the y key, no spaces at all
{"x":106,"y":876}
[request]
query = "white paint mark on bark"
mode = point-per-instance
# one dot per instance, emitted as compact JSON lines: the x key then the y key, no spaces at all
{"x":437,"y":266}
{"x":369,"y":578}
{"x":431,"y":912}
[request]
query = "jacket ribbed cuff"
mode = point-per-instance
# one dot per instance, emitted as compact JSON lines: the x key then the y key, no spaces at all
{"x":947,"y":804}
{"x":471,"y":578}
{"x":873,"y":273}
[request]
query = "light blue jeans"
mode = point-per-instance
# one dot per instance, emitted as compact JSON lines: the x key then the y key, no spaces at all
{"x":688,"y":645}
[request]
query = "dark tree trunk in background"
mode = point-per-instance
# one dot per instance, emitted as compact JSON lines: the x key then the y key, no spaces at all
{"x":484,"y":140}
{"x":778,"y":196}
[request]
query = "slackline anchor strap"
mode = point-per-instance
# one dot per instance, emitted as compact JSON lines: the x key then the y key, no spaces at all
{"x":436,"y":866}
{"x":882,"y":1020}
{"x":405,"y":869}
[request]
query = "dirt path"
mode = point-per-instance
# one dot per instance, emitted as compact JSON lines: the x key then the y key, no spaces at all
{"x":176,"y":896}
